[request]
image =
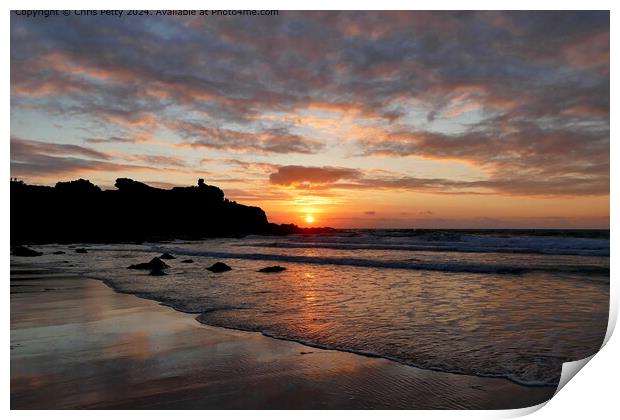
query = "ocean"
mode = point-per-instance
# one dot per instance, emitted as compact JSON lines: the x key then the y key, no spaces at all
{"x":500,"y":303}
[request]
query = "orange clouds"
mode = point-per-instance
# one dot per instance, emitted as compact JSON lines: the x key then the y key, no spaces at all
{"x":302,"y":175}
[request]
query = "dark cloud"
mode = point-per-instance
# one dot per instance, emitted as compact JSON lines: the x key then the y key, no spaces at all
{"x":159,"y":160}
{"x":267,"y":141}
{"x":516,"y":156}
{"x":235,"y":69}
{"x":304,"y":175}
{"x":23,"y":149}
{"x":525,"y":145}
{"x":32,"y":159}
{"x":43,"y":165}
{"x":326,"y":178}
{"x":40,"y":159}
{"x":530,"y":90}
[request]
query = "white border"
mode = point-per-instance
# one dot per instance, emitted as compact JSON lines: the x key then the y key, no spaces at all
{"x":592,"y":394}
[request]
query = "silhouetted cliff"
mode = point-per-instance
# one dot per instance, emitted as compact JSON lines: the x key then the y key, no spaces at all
{"x":79,"y":211}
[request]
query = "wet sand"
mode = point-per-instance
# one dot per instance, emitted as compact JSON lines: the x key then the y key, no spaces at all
{"x":75,"y":344}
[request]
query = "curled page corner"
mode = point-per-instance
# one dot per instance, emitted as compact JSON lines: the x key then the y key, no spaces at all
{"x":613,"y":318}
{"x":569,"y":370}
{"x":520,"y":412}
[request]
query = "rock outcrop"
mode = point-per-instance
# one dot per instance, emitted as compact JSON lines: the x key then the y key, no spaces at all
{"x":22,"y":251}
{"x":272,"y":269}
{"x":157,"y":272}
{"x":154,"y":264}
{"x":80,"y":212}
{"x":219,"y":267}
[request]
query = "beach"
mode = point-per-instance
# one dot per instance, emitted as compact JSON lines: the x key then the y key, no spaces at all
{"x":77,"y":344}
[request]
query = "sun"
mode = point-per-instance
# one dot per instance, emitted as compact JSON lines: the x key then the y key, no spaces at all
{"x":309,"y":218}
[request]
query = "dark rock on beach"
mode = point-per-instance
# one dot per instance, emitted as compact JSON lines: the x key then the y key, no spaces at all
{"x":58,"y":252}
{"x":22,"y":251}
{"x":157,"y":272}
{"x":154,"y":264}
{"x":219,"y":267}
{"x":81,"y":251}
{"x":166,"y":256}
{"x":188,"y":261}
{"x":272,"y":269}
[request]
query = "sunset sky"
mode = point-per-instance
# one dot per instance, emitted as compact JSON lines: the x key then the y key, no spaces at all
{"x":360,"y":119}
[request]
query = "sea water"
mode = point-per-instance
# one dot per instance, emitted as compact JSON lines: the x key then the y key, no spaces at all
{"x":513,"y":304}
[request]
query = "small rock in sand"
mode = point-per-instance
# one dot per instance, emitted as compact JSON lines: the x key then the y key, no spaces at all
{"x":219,"y":267}
{"x":272,"y":269}
{"x":166,"y":256}
{"x":188,"y":261}
{"x":157,"y":272}
{"x":81,"y":251}
{"x":22,"y":251}
{"x":58,"y":252}
{"x":154,"y":264}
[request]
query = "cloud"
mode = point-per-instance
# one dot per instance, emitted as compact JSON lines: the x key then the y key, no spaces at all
{"x":300,"y":176}
{"x":515,"y":155}
{"x":31,"y":158}
{"x":21,"y":148}
{"x":114,"y":139}
{"x":518,"y":143}
{"x":237,"y":72}
{"x":159,"y":160}
{"x":45,"y":166}
{"x":330,"y":178}
{"x":522,"y":96}
{"x":562,"y":186}
{"x":31,"y":162}
{"x":267,"y":141}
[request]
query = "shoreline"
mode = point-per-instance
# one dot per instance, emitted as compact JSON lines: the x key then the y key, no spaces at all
{"x":308,"y":344}
{"x":188,"y":368}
